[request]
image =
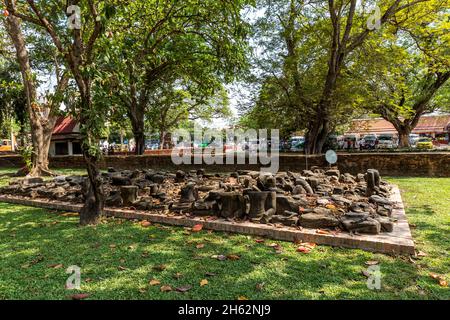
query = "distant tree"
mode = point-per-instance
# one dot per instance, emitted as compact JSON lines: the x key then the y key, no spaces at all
{"x":13,"y":103}
{"x":175,"y":103}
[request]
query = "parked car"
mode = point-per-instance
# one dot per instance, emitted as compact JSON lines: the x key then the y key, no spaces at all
{"x":229,"y":147}
{"x":368,"y":142}
{"x":203,"y":144}
{"x":5,"y":145}
{"x":152,"y":145}
{"x":413,"y":138}
{"x":297,"y":143}
{"x":386,"y":141}
{"x":425,"y":143}
{"x":252,"y":145}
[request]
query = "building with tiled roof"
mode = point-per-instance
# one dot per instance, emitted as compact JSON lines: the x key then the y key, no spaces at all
{"x":66,"y":137}
{"x":436,"y":126}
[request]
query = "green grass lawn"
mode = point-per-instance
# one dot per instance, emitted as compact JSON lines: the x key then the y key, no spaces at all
{"x":118,"y":258}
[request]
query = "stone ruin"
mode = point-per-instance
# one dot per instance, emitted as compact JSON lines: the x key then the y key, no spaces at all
{"x":316,"y":198}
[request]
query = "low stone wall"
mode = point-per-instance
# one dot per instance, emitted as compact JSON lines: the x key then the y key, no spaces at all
{"x":434,"y":164}
{"x":11,"y":160}
{"x":393,"y":164}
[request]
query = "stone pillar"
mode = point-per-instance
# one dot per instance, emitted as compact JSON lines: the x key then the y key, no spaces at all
{"x":70,"y":148}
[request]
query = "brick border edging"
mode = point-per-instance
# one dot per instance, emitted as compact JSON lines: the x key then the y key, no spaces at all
{"x":397,"y":242}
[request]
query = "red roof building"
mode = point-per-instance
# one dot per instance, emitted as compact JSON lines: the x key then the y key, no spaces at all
{"x":66,"y":137}
{"x":66,"y":125}
{"x":437,"y":126}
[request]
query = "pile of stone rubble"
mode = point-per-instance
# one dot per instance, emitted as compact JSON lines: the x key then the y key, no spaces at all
{"x":316,"y":198}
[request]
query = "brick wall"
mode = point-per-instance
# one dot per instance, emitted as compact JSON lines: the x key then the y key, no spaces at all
{"x":394,"y":164}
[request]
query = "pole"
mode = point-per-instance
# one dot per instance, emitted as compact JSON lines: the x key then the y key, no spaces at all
{"x":13,"y":142}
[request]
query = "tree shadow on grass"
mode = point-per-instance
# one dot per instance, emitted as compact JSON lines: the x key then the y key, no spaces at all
{"x":120,"y":257}
{"x":438,"y":233}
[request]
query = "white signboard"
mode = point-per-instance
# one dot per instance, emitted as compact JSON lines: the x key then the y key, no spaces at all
{"x":331,"y":156}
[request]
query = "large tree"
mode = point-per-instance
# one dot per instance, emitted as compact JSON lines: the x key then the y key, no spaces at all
{"x":408,"y":74}
{"x":42,"y":115}
{"x":316,"y":45}
{"x":76,"y":42}
{"x":157,"y":43}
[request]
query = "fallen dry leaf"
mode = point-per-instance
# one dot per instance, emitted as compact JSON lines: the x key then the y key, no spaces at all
{"x":154,"y":282}
{"x":365,"y":273}
{"x":321,"y":231}
{"x":443,"y":283}
{"x":112,"y":246}
{"x":200,"y":246}
{"x":79,"y":296}
{"x":259,"y":286}
{"x":242,"y":298}
{"x":121,"y":268}
{"x":183,"y":288}
{"x":160,"y":267}
{"x":203,"y":282}
{"x":219,"y":257}
{"x":177,"y":275}
{"x":421,"y":254}
{"x":197,"y":228}
{"x":371,"y":262}
{"x":146,"y":223}
{"x":310,"y":245}
{"x":70,"y":214}
{"x":56,"y":266}
{"x":166,"y":288}
{"x":210,"y":274}
{"x":441,"y":280}
{"x":233,"y":257}
{"x":303,"y":249}
{"x":259,"y":240}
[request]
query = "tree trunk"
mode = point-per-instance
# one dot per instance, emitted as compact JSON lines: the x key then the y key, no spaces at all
{"x":139,"y":137}
{"x":137,"y":123}
{"x":162,"y":138}
{"x":41,"y":137}
{"x":41,"y":126}
{"x":316,"y":136}
{"x":403,"y":137}
{"x":92,"y":211}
